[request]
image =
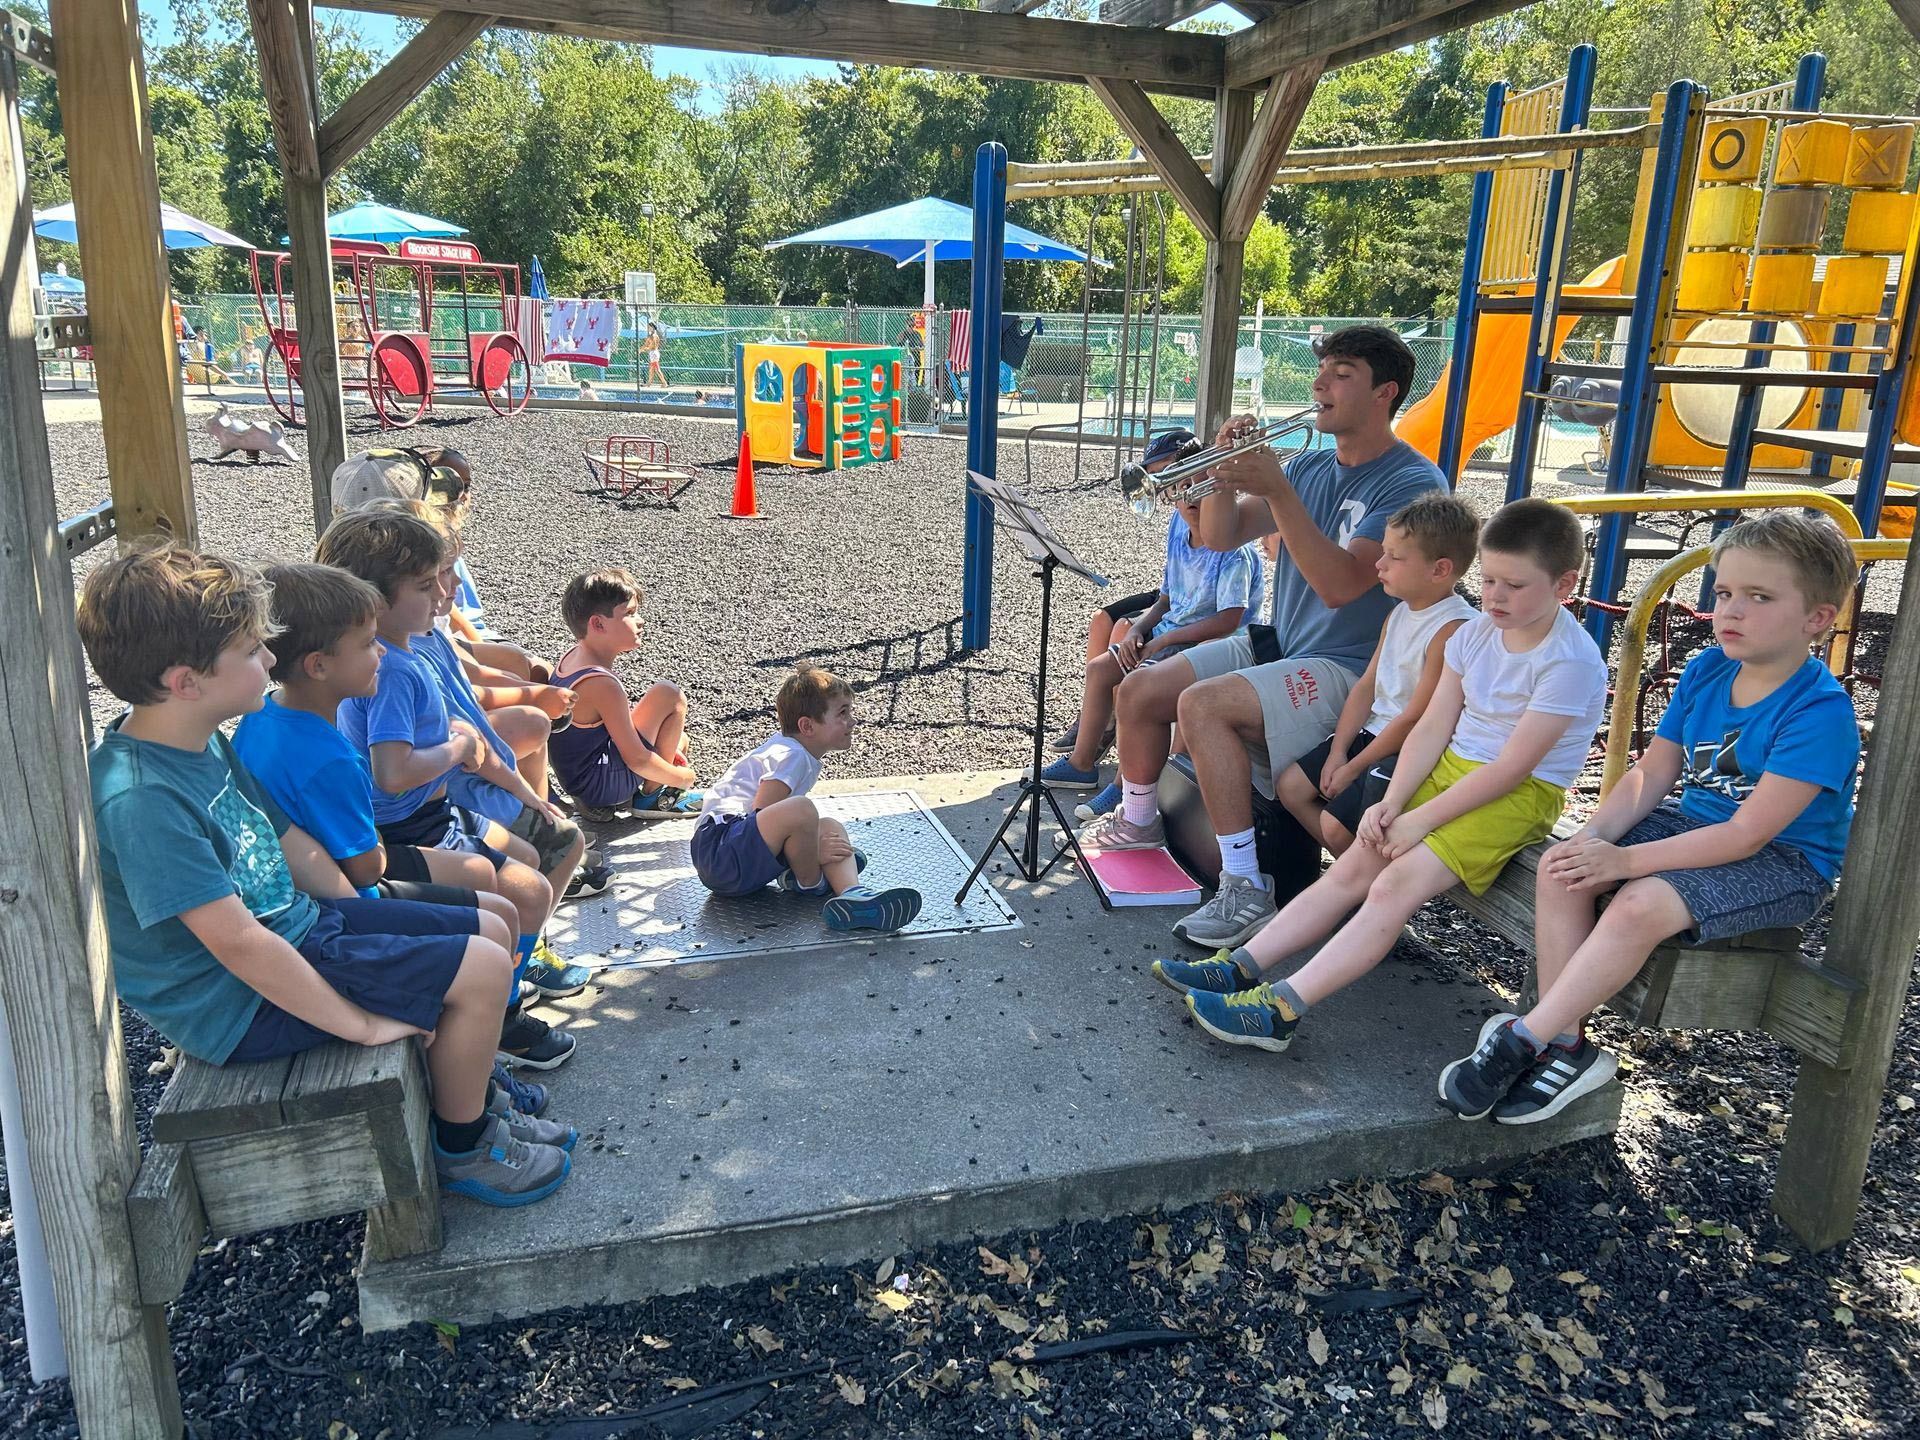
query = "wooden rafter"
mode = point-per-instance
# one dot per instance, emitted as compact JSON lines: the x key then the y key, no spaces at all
{"x":1458,"y":18}
{"x":869,"y":32}
{"x":1909,"y":13}
{"x":1011,"y":7}
{"x":1148,"y":128}
{"x":366,"y":112}
{"x":1158,"y":14}
{"x":1320,"y":28}
{"x":1273,"y":131}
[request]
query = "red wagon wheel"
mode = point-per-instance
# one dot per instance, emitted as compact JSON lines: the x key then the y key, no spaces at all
{"x":280,"y":377}
{"x":505,"y":377}
{"x":397,"y":380}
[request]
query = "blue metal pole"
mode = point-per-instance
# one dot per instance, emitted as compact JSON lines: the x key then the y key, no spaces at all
{"x":1808,"y":82}
{"x":1884,"y":411}
{"x":983,"y":385}
{"x":1633,"y":422}
{"x":1453,"y":422}
{"x":1576,"y":102}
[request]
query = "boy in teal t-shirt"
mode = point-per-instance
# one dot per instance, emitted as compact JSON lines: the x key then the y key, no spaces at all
{"x":232,"y":930}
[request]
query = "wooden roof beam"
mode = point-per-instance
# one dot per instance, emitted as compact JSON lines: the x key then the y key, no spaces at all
{"x":1273,"y":131}
{"x":869,"y":32}
{"x":366,"y":112}
{"x":1348,"y":29}
{"x":1909,"y":13}
{"x":1148,"y":129}
{"x":1011,"y":7}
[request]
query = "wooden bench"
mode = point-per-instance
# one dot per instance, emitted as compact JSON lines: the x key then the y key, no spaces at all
{"x":240,"y":1148}
{"x":1757,"y":981}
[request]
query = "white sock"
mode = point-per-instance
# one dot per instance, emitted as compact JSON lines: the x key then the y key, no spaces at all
{"x":1139,"y":803}
{"x":1239,"y":857}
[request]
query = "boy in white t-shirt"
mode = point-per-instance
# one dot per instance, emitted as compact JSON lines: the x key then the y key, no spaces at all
{"x":1427,"y":548}
{"x":1483,"y":775}
{"x":757,"y":827}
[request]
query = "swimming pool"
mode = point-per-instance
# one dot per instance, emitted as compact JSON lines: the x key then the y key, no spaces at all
{"x":619,"y":393}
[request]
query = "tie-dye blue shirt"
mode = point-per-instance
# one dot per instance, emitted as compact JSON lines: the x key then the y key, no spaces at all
{"x":180,"y":829}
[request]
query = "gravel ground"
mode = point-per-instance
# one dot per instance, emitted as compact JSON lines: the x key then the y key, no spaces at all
{"x":1636,"y":1287}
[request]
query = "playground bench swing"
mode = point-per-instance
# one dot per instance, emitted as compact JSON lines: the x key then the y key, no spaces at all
{"x":1757,"y":981}
{"x":637,"y":465}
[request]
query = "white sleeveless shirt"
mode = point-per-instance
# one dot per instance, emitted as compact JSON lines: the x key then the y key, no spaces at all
{"x":1403,"y":655}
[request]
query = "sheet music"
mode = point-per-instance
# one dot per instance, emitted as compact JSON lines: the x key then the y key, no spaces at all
{"x":1015,"y":512}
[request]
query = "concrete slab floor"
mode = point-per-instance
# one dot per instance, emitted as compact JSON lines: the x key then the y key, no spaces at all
{"x":746,"y":1118}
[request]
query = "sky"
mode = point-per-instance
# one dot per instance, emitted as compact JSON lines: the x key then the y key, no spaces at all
{"x":703,"y":66}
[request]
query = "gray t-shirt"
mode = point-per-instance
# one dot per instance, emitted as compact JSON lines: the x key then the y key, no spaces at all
{"x":1346,"y":502}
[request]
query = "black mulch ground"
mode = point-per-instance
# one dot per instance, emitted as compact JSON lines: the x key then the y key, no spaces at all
{"x":1636,"y":1287}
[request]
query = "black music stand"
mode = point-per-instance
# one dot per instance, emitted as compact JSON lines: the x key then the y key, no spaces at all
{"x":1014,"y":512}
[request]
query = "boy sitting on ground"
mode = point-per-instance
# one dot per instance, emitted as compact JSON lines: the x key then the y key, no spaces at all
{"x":232,"y":931}
{"x":414,"y":749}
{"x":1204,"y":595}
{"x":617,"y":753}
{"x":1427,"y":547}
{"x":1763,"y":743}
{"x":1483,"y":775}
{"x":758,"y":828}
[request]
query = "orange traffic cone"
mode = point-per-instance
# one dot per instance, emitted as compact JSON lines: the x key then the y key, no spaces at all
{"x":746,"y":504}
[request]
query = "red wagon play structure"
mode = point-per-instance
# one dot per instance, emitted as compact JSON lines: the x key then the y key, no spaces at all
{"x":385,"y":302}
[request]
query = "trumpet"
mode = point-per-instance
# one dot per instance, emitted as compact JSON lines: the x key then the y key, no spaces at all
{"x":1190,"y":476}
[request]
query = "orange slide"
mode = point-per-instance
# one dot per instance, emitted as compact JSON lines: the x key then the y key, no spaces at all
{"x":1493,"y":389}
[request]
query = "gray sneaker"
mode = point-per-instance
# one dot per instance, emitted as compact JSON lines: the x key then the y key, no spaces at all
{"x":1232,"y":917}
{"x":502,"y":1170}
{"x":1116,"y":832}
{"x":531,"y":1129}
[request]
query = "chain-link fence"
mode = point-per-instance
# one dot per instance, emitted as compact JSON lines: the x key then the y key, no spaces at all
{"x":1069,"y":370}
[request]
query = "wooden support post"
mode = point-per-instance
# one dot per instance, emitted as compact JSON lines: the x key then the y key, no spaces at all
{"x":74,"y":1095}
{"x":283,"y":36}
{"x":1876,"y":923}
{"x":1226,"y":267}
{"x":116,"y":206}
{"x":1266,"y":146}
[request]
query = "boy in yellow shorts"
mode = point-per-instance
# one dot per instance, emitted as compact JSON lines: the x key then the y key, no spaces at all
{"x":1483,"y":774}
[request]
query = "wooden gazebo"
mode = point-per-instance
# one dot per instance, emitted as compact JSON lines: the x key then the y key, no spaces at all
{"x":55,"y":971}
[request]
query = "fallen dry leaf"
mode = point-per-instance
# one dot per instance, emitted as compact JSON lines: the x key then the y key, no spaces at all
{"x":765,"y":1339}
{"x":851,"y":1391}
{"x":1317,"y":1346}
{"x":1434,"y":1407}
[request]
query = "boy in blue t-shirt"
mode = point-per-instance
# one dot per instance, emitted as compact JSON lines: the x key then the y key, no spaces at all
{"x":414,"y":749}
{"x":233,"y":933}
{"x":325,"y":654}
{"x":1204,"y":595}
{"x":1763,"y":743}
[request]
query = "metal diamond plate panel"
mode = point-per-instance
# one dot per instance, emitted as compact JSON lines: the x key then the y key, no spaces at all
{"x":657,"y":911}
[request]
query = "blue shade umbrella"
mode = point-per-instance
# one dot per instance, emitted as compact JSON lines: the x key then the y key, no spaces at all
{"x":372,"y":221}
{"x":927,"y":230}
{"x":178,"y":229}
{"x":57,"y":284}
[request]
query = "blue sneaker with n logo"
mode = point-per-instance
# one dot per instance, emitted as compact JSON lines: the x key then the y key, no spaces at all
{"x":1256,"y":1017}
{"x":1215,"y":975}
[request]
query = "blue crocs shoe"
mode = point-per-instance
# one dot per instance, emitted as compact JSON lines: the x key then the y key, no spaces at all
{"x":1256,"y":1017}
{"x":864,"y":909}
{"x":1104,"y":803}
{"x":1068,"y":776}
{"x":787,"y":885}
{"x":523,"y":1095}
{"x":1215,"y":975}
{"x":666,"y":803}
